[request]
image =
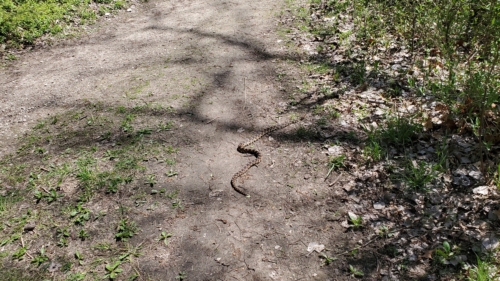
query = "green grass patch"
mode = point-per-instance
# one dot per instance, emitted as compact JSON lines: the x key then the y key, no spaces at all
{"x":23,"y":21}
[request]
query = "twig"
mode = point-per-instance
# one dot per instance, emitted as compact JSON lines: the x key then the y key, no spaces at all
{"x":43,"y":188}
{"x":336,"y":180}
{"x":22,"y":245}
{"x":245,"y":91}
{"x":210,"y":121}
{"x":356,"y":248}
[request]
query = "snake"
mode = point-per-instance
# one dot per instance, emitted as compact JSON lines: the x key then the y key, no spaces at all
{"x":243,"y":148}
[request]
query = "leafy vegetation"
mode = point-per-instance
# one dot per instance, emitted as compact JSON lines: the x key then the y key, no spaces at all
{"x":23,"y":21}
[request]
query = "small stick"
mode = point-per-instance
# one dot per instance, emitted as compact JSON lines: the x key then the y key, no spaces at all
{"x":335,"y":181}
{"x":210,"y":121}
{"x":356,"y":248}
{"x":245,"y":91}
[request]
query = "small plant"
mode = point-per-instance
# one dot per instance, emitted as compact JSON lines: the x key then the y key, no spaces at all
{"x":164,"y":237}
{"x":102,"y":246}
{"x":418,"y":175}
{"x":150,"y":180}
{"x":80,"y":214}
{"x":126,"y":230}
{"x":83,"y":235}
{"x":53,"y":195}
{"x":63,"y":234}
{"x":327,"y":260}
{"x":385,"y":232}
{"x":171,"y":173}
{"x":113,"y":270}
{"x":181,"y":276}
{"x":79,"y":257}
{"x":78,"y":276}
{"x":484,"y":271}
{"x":165,"y":127}
{"x":335,"y":163}
{"x":373,"y":150}
{"x":19,"y":254}
{"x":399,"y":131}
{"x":177,"y":203}
{"x":355,"y":272}
{"x":357,"y":221}
{"x":446,"y":254}
{"x":40,"y":258}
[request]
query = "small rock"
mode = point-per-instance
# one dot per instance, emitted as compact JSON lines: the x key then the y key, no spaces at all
{"x":379,"y":205}
{"x":315,"y":246}
{"x":483,"y":190}
{"x":490,"y":243}
{"x":107,"y":14}
{"x":307,"y":176}
{"x":129,"y":10}
{"x":475,"y":175}
{"x":464,"y":160}
{"x":29,"y":227}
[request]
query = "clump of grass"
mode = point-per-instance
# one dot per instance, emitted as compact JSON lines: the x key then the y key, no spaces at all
{"x":23,"y":21}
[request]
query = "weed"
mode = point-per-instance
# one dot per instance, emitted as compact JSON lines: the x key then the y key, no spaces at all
{"x":171,"y":173}
{"x":169,"y":161}
{"x":78,"y":276}
{"x":79,"y":257}
{"x":126,"y":229}
{"x":126,"y":123}
{"x":113,"y":270}
{"x":80,"y":215}
{"x":484,"y":271}
{"x":172,"y":195}
{"x":399,"y":131}
{"x":385,"y":232}
{"x":83,"y":235}
{"x":165,"y":127}
{"x":357,"y":221}
{"x":19,"y":253}
{"x":169,"y":149}
{"x":327,"y":260}
{"x":442,"y":152}
{"x":181,"y":276}
{"x":164,"y":237}
{"x":418,"y":174}
{"x":40,"y":258}
{"x":446,"y":254}
{"x":372,"y":150}
{"x":150,"y":180}
{"x":335,"y":162}
{"x":62,"y":234}
{"x":355,"y":272}
{"x":177,"y":203}
{"x":102,"y":246}
{"x":53,"y":195}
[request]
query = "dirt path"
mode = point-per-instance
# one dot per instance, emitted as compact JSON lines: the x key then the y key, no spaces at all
{"x":213,"y":63}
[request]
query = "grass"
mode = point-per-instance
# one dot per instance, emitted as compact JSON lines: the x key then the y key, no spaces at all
{"x":24,"y":21}
{"x":77,"y":171}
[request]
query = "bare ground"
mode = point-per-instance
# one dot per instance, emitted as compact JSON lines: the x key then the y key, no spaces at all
{"x":214,"y":66}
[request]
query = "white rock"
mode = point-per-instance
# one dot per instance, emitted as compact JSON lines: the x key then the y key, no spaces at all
{"x":379,"y":205}
{"x":483,"y":190}
{"x":315,"y":246}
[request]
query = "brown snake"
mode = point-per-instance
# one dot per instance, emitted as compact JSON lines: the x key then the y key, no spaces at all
{"x":242,"y":148}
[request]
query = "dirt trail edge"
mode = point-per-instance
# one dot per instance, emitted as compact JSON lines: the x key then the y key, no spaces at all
{"x":213,"y":64}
